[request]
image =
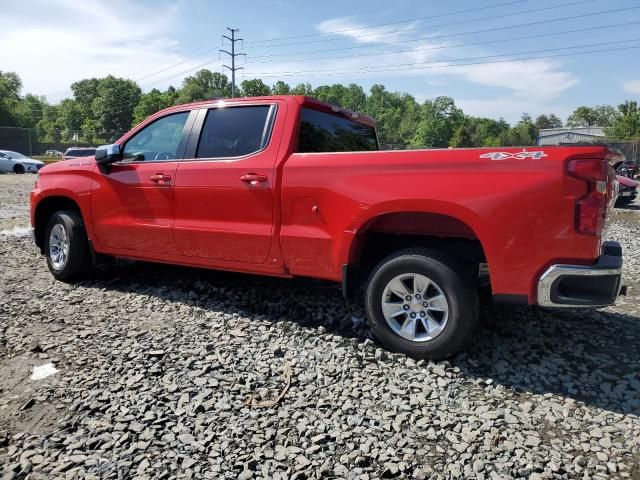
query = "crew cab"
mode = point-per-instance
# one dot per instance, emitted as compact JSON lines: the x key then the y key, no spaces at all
{"x":289,"y":186}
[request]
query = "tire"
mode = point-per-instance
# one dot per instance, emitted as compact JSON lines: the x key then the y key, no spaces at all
{"x":76,"y":262}
{"x":18,"y":168}
{"x":437,"y":334}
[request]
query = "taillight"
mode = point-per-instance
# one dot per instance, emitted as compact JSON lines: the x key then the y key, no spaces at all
{"x":591,"y":210}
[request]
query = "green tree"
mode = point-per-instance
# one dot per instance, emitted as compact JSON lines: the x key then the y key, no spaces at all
{"x":439,"y":119}
{"x":85,"y":92}
{"x":281,"y":88}
{"x":113,"y":108}
{"x":551,"y":121}
{"x":47,"y":129}
{"x":70,"y":118}
{"x":600,"y":115}
{"x":152,"y":102}
{"x":302,"y":89}
{"x":351,"y":97}
{"x":626,"y":126}
{"x":10,"y":86}
{"x":254,"y":88}
{"x":479,"y":132}
{"x":462,"y":136}
{"x":28,"y":111}
{"x":488,"y":131}
{"x":396,"y":115}
{"x":204,"y":85}
{"x":522,"y":134}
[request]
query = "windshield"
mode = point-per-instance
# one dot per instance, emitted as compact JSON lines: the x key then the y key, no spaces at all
{"x":15,"y":155}
{"x":81,"y":152}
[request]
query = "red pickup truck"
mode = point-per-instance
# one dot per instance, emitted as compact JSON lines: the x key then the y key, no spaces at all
{"x":289,"y":186}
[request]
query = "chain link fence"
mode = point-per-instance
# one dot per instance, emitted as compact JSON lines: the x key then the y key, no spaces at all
{"x":28,"y":142}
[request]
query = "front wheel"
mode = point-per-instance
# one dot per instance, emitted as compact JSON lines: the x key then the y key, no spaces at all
{"x":421,"y":303}
{"x":66,"y":246}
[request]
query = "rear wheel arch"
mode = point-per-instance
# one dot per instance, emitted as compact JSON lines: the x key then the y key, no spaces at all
{"x":385,"y":234}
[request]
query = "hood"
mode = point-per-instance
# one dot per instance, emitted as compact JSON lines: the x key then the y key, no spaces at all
{"x":626,"y":181}
{"x":29,"y":161}
{"x":70,"y":164}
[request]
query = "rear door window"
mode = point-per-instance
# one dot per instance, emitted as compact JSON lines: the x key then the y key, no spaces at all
{"x":323,"y":132}
{"x":235,"y":131}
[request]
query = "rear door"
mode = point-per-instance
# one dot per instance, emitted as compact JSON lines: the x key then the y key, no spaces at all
{"x":224,"y":188}
{"x":132,"y":204}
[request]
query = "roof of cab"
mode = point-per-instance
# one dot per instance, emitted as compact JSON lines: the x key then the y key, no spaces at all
{"x":298,"y":99}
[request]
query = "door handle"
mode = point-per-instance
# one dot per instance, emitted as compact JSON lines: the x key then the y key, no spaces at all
{"x":160,"y":178}
{"x":254,"y":178}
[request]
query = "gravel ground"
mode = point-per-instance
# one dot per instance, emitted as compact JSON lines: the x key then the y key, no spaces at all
{"x":162,"y":370}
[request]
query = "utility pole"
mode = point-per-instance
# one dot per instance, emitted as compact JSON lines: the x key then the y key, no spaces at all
{"x":233,"y":56}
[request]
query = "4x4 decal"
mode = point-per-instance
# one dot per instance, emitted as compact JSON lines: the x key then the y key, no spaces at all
{"x":518,"y":156}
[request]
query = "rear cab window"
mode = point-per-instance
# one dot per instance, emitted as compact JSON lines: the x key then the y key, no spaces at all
{"x":235,"y":131}
{"x":327,"y":132}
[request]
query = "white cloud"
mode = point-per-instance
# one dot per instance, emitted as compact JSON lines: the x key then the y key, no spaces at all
{"x":345,"y":27}
{"x":527,"y":79}
{"x":523,"y":85}
{"x":632,"y":86}
{"x":52,"y":43}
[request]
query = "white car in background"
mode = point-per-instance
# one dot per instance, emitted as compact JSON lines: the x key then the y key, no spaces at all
{"x":17,"y":163}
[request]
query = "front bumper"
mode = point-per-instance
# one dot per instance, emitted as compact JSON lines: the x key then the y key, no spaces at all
{"x":31,"y":167}
{"x":583,"y":286}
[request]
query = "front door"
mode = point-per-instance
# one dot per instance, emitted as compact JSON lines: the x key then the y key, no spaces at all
{"x":224,"y":188}
{"x":133,"y":204}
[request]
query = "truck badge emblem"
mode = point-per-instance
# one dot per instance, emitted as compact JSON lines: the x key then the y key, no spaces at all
{"x":518,"y":156}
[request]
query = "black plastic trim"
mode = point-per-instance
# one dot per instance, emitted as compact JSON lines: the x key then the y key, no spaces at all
{"x":511,"y":298}
{"x":593,"y":286}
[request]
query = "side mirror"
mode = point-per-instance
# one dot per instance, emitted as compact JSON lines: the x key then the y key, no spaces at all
{"x":106,"y":155}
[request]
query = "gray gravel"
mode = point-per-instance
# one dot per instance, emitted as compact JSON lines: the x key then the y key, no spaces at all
{"x":158,"y":366}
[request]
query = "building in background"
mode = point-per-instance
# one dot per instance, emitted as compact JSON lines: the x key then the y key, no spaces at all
{"x":586,"y":135}
{"x":559,"y":136}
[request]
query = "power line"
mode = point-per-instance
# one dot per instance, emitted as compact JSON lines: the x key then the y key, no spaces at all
{"x":449,"y":35}
{"x":436,"y":64}
{"x":174,"y":75}
{"x":424,"y":67}
{"x":601,"y":12}
{"x":154,"y":73}
{"x":458,"y":22}
{"x":208,"y":49}
{"x":444,"y":47}
{"x":487,"y":7}
{"x":463,"y":59}
{"x":421,"y":66}
{"x":443,"y":64}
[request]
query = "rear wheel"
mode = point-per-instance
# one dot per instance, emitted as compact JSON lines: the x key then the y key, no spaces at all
{"x":18,"y":168}
{"x":66,"y":246}
{"x":421,"y":303}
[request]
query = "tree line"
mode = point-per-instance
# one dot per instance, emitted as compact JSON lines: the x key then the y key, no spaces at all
{"x":101,"y":109}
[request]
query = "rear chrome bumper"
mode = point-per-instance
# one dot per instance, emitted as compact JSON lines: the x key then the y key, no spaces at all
{"x":583,"y":286}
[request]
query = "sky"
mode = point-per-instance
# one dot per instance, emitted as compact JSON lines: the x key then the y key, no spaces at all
{"x":496,"y":58}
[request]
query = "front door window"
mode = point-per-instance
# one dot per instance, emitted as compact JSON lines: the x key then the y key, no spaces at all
{"x":157,"y":141}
